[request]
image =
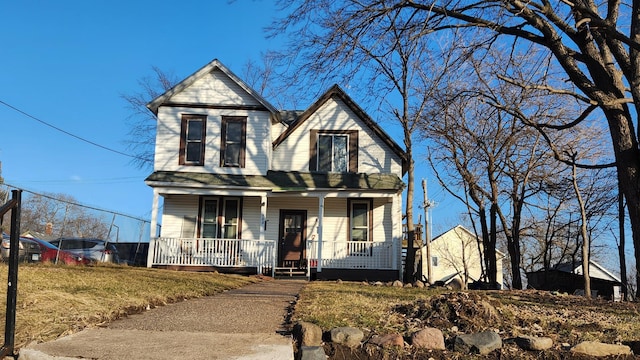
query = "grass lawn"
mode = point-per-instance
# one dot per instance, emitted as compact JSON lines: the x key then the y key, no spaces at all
{"x":56,"y":300}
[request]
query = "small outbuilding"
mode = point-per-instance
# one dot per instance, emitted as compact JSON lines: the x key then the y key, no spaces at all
{"x":567,"y":277}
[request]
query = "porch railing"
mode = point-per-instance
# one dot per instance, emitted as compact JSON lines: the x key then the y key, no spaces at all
{"x":214,"y":252}
{"x":353,"y":255}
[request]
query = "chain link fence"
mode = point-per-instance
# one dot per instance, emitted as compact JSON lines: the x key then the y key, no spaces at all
{"x":52,"y":216}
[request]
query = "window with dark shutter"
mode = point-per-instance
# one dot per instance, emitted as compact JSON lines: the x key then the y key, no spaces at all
{"x":232,"y":148}
{"x":333,"y":151}
{"x":192,"y":140}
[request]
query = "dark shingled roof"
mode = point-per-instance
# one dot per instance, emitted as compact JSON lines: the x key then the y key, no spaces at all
{"x":284,"y":180}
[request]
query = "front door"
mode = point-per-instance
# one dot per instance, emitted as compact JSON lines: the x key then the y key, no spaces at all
{"x":291,"y":247}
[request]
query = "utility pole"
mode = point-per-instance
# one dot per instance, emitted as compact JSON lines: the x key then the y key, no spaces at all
{"x":426,"y":205}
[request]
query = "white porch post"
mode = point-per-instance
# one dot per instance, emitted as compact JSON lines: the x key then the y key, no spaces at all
{"x":153,"y":228}
{"x":263,"y":215}
{"x":396,"y":211}
{"x":320,"y":218}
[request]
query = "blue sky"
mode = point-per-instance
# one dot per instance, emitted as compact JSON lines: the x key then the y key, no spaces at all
{"x":68,"y":63}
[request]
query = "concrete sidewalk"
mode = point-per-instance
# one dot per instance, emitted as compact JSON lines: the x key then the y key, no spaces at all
{"x":246,"y":323}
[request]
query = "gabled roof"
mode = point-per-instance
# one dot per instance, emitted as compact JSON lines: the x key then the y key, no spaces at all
{"x":213,"y":65}
{"x":577,"y":269}
{"x":336,"y":91}
{"x":469,"y":233}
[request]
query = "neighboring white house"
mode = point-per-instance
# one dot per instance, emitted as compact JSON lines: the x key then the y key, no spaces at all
{"x":456,"y":258}
{"x":248,"y":188}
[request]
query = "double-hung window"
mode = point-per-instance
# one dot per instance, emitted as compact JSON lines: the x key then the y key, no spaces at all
{"x":209,"y":218}
{"x":360,"y":229}
{"x":334,"y":151}
{"x":192,"y":139}
{"x":234,"y":134}
{"x":231,"y":217}
{"x":220,"y":218}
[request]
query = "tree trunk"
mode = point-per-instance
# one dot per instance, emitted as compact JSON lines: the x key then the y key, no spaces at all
{"x":491,"y":254}
{"x":621,"y":254}
{"x":583,"y":231}
{"x":628,"y":165}
{"x":410,"y":260}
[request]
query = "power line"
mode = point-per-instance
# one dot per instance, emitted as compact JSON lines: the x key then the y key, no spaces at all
{"x":74,"y":203}
{"x":70,"y":134}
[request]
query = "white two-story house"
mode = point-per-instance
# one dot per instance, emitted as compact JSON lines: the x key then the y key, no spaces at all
{"x":248,"y":188}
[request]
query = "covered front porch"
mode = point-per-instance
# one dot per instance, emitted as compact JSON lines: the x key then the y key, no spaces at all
{"x":260,"y":256}
{"x":322,"y":233}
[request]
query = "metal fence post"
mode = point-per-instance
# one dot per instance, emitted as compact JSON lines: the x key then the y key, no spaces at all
{"x":12,"y":283}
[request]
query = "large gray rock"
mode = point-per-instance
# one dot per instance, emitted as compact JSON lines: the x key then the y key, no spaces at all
{"x":480,"y":343}
{"x":428,"y":338}
{"x":388,"y":341}
{"x":593,"y":348}
{"x":348,"y":336}
{"x":307,"y":334}
{"x":534,"y":343}
{"x":312,"y":353}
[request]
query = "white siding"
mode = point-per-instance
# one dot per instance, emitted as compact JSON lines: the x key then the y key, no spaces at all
{"x":276,"y":130}
{"x":251,"y":218}
{"x":374,"y":156}
{"x":456,"y":250}
{"x":336,"y":220}
{"x":168,"y":141}
{"x":214,"y":88}
{"x":175,"y":209}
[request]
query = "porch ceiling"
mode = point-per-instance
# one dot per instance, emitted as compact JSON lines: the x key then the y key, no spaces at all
{"x":280,"y":180}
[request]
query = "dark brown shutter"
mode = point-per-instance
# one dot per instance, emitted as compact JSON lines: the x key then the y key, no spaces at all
{"x":353,"y":151}
{"x":313,"y":150}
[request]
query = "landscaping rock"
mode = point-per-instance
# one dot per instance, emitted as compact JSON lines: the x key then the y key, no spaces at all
{"x":481,"y":343}
{"x":534,"y":343}
{"x":593,"y":348}
{"x":429,"y":338}
{"x":397,"y":283}
{"x":378,"y":283}
{"x":312,"y":353}
{"x":387,"y":341}
{"x":307,"y":334}
{"x":419,"y":284}
{"x":348,"y":336}
{"x":408,"y":285}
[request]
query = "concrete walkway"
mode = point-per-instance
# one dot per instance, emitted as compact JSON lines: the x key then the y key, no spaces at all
{"x":246,"y":323}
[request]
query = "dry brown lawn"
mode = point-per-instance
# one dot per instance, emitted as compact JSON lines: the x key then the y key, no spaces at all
{"x":567,"y":319}
{"x":56,"y":300}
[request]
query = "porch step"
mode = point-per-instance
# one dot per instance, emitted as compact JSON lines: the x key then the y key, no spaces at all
{"x":290,"y":272}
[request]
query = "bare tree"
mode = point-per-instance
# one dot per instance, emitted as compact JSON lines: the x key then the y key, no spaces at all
{"x":142,"y":122}
{"x":583,"y":228}
{"x":379,"y":59}
{"x":65,"y":215}
{"x":595,"y":45}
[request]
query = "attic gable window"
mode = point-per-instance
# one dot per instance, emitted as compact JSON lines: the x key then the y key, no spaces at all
{"x":192,"y":139}
{"x":334,"y":151}
{"x":234,"y":135}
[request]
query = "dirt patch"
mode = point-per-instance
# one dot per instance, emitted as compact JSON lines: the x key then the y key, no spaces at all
{"x":566,"y":319}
